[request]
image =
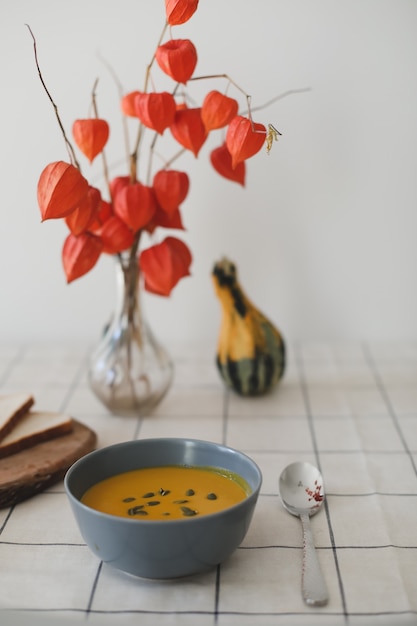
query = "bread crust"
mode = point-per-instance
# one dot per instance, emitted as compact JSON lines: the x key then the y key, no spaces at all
{"x":13,"y":407}
{"x":33,"y":428}
{"x":30,"y":471}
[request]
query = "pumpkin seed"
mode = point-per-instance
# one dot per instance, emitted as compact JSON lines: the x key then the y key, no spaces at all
{"x":180,"y":501}
{"x":164,"y":492}
{"x":148,"y":495}
{"x":211,"y":496}
{"x":190,"y":492}
{"x":153,"y":503}
{"x":128,"y":499}
{"x":188,"y":512}
{"x":137,"y":510}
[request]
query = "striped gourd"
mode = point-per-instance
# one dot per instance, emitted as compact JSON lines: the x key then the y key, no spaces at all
{"x":251,"y":351}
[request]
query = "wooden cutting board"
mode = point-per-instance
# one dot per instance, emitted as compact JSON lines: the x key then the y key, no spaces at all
{"x":30,"y":471}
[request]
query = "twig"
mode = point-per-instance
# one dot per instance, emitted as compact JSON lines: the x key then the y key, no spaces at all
{"x":121,"y":92}
{"x":290,"y":92}
{"x":148,"y":69}
{"x":70,"y":149}
{"x":231,"y":81}
{"x":151,"y":153}
{"x":135,"y":153}
{"x":174,"y":158}
{"x":103,"y":155}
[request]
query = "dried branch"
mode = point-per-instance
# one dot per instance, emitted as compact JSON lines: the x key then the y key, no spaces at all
{"x":232,"y":82}
{"x":70,"y":149}
{"x":103,"y":155}
{"x":290,"y":92}
{"x":121,"y":93}
{"x":135,"y":153}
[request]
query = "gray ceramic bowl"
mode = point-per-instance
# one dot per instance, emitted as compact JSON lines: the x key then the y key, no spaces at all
{"x":162,"y":549}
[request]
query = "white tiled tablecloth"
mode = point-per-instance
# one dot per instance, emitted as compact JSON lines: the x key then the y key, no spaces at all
{"x":349,"y":408}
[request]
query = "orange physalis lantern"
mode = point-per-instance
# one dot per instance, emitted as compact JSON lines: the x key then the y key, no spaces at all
{"x":135,"y":205}
{"x":165,"y":220}
{"x":61,"y":188}
{"x":218,"y":110}
{"x":188,"y":129}
{"x":79,"y":220}
{"x":244,"y":138}
{"x":115,"y":235}
{"x":221,"y":160}
{"x":117,"y":185}
{"x":155,"y":110}
{"x":179,"y":11}
{"x":103,"y":213}
{"x":127,"y":103}
{"x":164,"y":264}
{"x":91,"y":136}
{"x":171,"y":188}
{"x":181,"y":256}
{"x":79,"y":254}
{"x":177,"y":58}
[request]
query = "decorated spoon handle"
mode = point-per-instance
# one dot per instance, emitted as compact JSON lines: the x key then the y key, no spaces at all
{"x":314,"y":587}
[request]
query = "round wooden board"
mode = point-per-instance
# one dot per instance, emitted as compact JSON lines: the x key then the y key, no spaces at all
{"x":30,"y":471}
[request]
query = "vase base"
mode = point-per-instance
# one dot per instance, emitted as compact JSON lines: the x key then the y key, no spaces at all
{"x":128,"y":401}
{"x":130,"y":407}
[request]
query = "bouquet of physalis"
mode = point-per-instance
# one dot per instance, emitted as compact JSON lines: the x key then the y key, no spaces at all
{"x":112,"y":221}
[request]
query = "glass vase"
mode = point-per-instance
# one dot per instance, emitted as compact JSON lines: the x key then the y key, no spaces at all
{"x":130,"y":372}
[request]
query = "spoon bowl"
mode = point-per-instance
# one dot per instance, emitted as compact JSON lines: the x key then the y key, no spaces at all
{"x":302,"y":494}
{"x":301,"y":489}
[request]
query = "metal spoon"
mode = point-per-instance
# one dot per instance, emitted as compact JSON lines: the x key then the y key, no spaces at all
{"x":302,"y":494}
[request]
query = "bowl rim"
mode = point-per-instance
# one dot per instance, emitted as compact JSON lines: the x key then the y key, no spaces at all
{"x":190,"y":520}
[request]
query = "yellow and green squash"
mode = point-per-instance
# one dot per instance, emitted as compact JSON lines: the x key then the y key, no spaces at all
{"x":251,"y":350}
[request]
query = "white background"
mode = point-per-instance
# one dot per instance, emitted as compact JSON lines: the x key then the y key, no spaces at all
{"x":324,"y":234}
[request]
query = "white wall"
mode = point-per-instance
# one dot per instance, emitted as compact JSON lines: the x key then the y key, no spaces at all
{"x":324,"y":233}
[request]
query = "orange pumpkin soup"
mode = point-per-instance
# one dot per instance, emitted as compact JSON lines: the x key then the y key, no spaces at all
{"x":167,"y":492}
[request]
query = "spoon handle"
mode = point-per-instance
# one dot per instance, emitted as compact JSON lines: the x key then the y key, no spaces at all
{"x":313,"y":585}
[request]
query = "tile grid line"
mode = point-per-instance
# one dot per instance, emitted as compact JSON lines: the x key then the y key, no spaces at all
{"x":71,"y":389}
{"x":255,"y":547}
{"x":225,"y":420}
{"x":137,"y":428}
{"x":306,"y":397}
{"x":195,"y":612}
{"x":15,"y":361}
{"x":93,"y":590}
{"x":95,"y":584}
{"x":3,"y":526}
{"x":387,"y":400}
{"x":75,"y":381}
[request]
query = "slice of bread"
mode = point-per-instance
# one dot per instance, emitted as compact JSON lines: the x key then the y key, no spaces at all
{"x":30,"y":471}
{"x":12,"y":407}
{"x":32,"y":428}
